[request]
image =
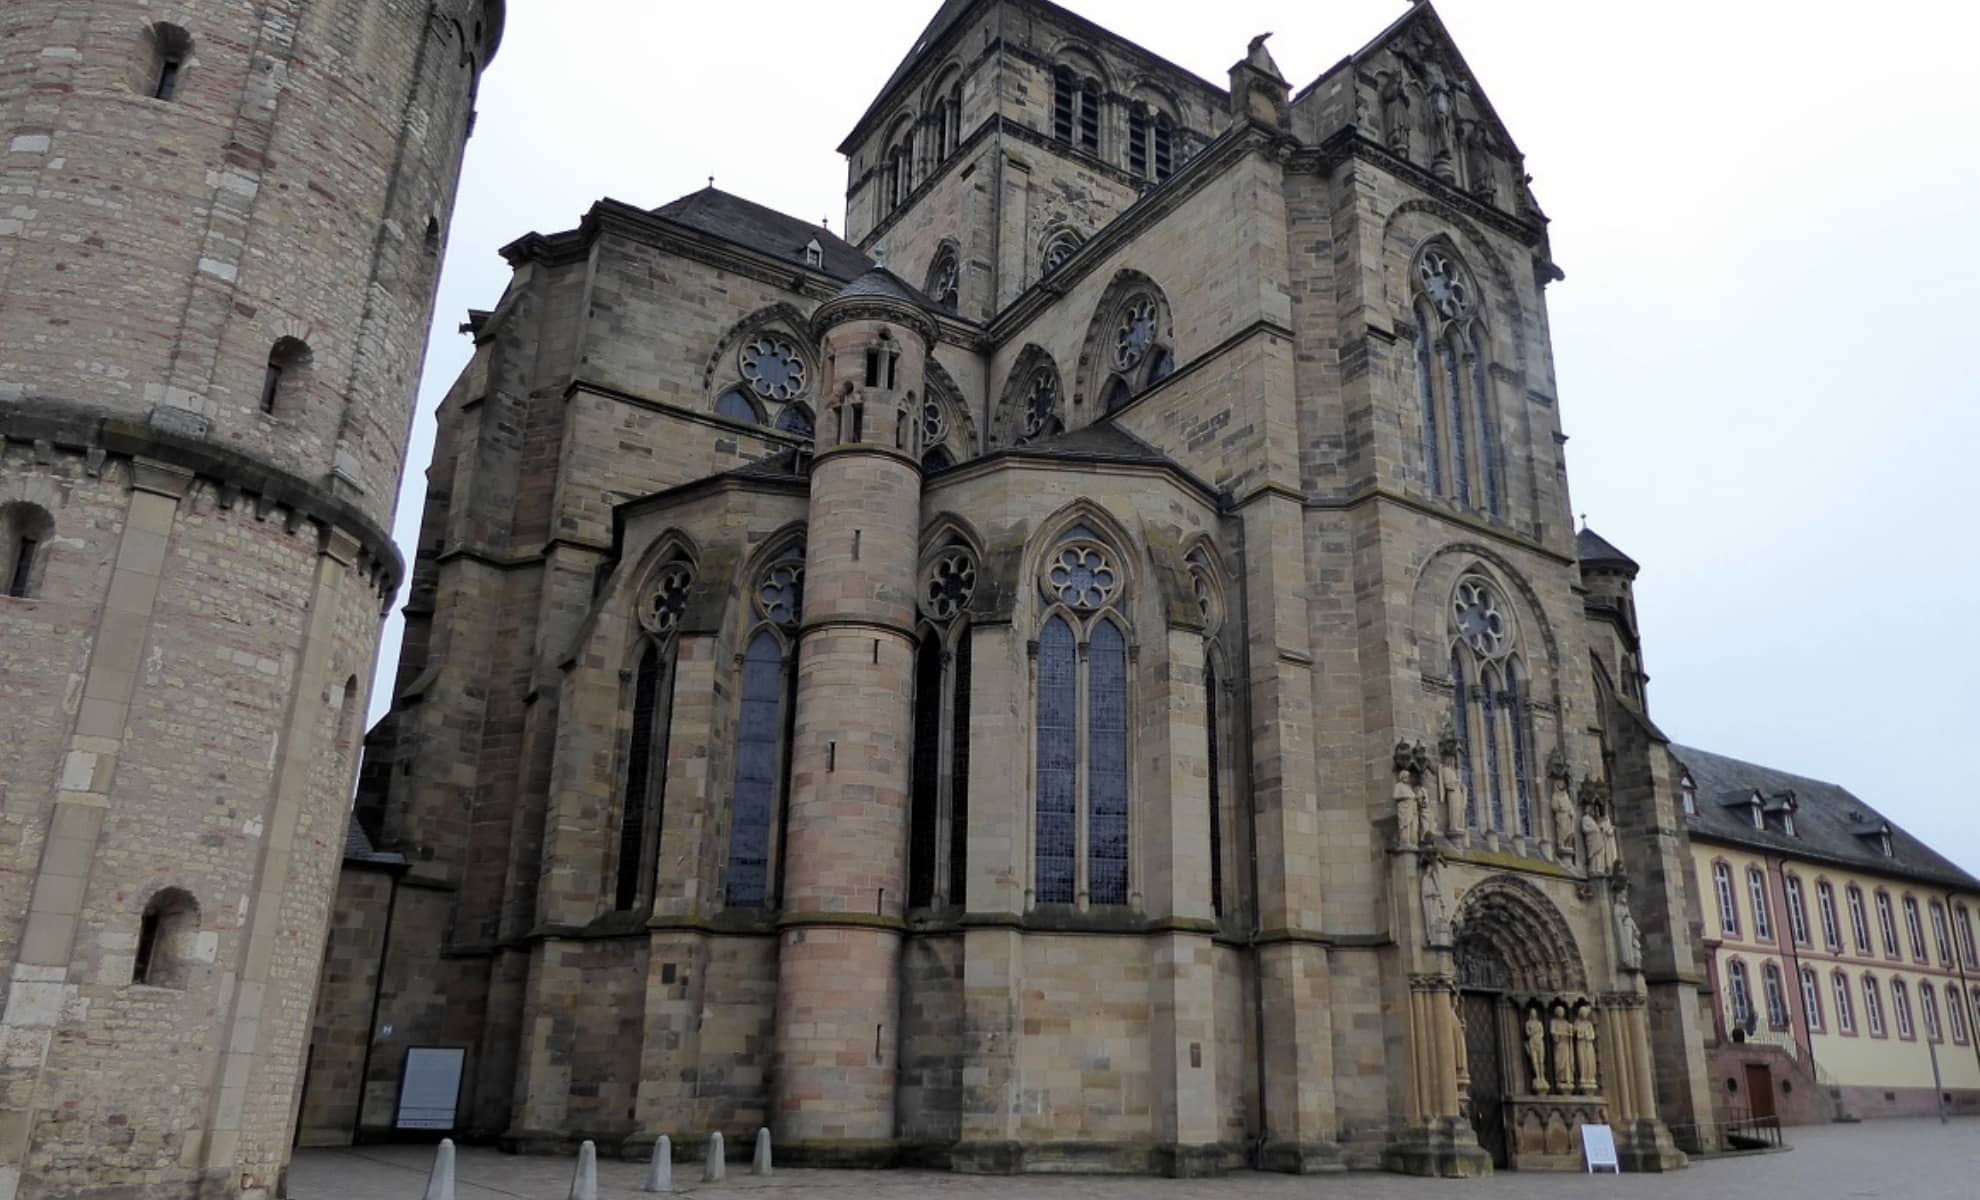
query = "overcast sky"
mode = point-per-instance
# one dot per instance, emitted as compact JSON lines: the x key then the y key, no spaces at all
{"x":1766,"y":358}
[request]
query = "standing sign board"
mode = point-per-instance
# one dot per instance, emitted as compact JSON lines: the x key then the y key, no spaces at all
{"x":430,"y":1090}
{"x":1598,"y":1148}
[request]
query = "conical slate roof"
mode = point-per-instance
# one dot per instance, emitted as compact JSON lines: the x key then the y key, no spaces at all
{"x":884,"y":284}
{"x":1591,"y":547}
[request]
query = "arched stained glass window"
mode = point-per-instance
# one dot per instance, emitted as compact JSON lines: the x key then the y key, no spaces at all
{"x":1426,"y":397}
{"x":758,"y":771}
{"x":1521,"y":719}
{"x":1488,"y":442}
{"x":958,"y":773}
{"x":1058,"y":737}
{"x":1461,"y":727}
{"x":1447,"y":357}
{"x":1215,"y":729}
{"x":642,"y":802}
{"x":1489,"y":729}
{"x":736,"y":405}
{"x":925,"y":806}
{"x":1107,"y":743}
{"x":796,"y":418}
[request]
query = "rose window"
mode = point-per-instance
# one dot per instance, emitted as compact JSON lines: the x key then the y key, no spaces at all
{"x":1476,"y":615}
{"x":780,"y":596}
{"x":947,"y":584}
{"x":934,"y":423}
{"x":1445,"y":284}
{"x":1081,"y":576}
{"x":665,"y":597}
{"x":1136,"y":333}
{"x":1039,"y":405}
{"x":773,"y":368}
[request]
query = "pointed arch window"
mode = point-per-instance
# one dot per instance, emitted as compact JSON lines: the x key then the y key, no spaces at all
{"x":1081,"y":843}
{"x":1059,"y":249}
{"x":1458,"y":434}
{"x":1137,"y":349}
{"x":1491,"y":715}
{"x":938,"y":816}
{"x":771,"y":384}
{"x":1205,"y":584}
{"x":768,"y":695}
{"x":944,"y":278}
{"x":658,"y":606}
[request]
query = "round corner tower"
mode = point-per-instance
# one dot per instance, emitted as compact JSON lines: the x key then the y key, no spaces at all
{"x":837,"y":1001}
{"x":221,"y":224}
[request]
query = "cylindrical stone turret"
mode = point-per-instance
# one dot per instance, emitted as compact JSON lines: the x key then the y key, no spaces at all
{"x":846,"y":834}
{"x":218,"y":252}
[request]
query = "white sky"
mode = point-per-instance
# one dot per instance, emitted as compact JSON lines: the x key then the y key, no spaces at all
{"x":1766,"y":216}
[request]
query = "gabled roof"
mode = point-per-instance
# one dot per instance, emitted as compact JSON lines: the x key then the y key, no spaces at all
{"x":1592,"y":548}
{"x":1831,"y":824}
{"x":945,"y":19}
{"x":764,"y":230}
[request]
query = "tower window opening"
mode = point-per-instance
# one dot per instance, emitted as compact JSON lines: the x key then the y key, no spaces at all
{"x":171,"y":47}
{"x":287,"y":360}
{"x":24,"y":529}
{"x":1062,"y":105}
{"x":166,"y":935}
{"x":893,"y":367}
{"x":1089,"y":117}
{"x":873,"y":368}
{"x":1138,"y":140}
{"x":17,"y":579}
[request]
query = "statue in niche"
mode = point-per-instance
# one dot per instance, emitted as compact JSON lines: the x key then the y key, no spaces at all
{"x":1611,"y":844}
{"x":1594,"y":846}
{"x":1392,"y":87}
{"x":1436,"y":915}
{"x":1449,"y":782}
{"x":1561,"y":1030}
{"x":1419,"y":773}
{"x":1459,"y":1046}
{"x":1536,"y":1049}
{"x":1480,"y":160}
{"x":1442,"y":102}
{"x":1584,"y":1044}
{"x":1409,"y":812}
{"x":1629,"y":937}
{"x":1562,"y":805}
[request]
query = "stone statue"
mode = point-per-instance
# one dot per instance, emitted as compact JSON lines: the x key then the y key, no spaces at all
{"x":1562,"y":805}
{"x":1629,"y":938}
{"x":1460,"y":1047}
{"x":1409,"y":814}
{"x":1443,"y":114}
{"x":1536,"y":1050}
{"x":1436,"y":917}
{"x":1450,"y":784}
{"x":1419,"y":773}
{"x":1584,"y":1042}
{"x":1561,"y":1030}
{"x":1393,"y":89}
{"x":1611,"y":844}
{"x":1480,"y":160}
{"x":1592,"y":843}
{"x":1260,"y":59}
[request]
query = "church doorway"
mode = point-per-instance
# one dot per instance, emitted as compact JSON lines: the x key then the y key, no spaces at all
{"x":1480,"y":1009}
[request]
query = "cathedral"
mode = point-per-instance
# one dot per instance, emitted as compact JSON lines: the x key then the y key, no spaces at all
{"x":1092,"y":670}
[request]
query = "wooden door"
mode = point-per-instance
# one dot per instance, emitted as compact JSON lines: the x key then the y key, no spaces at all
{"x":1482,"y":1059}
{"x":1760,"y":1090}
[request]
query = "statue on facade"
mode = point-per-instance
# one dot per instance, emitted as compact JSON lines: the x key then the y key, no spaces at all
{"x":1480,"y":160}
{"x":1584,"y":1043}
{"x":1392,"y":87}
{"x":1629,"y":936}
{"x":1441,"y":97}
{"x":1436,"y":915}
{"x":1450,"y":783}
{"x":1562,"y":805}
{"x":1611,"y":843}
{"x":1409,"y":812}
{"x":1561,"y":1030}
{"x":1594,"y":846}
{"x":1419,"y":772}
{"x":1259,"y":58}
{"x":1536,"y":1049}
{"x":1460,"y":1047}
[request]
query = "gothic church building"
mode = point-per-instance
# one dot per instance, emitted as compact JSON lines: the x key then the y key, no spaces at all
{"x":1094,"y":670}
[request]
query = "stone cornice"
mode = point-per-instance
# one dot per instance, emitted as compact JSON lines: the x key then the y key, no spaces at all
{"x":233,"y":473}
{"x":1349,"y":143}
{"x":1483,"y":528}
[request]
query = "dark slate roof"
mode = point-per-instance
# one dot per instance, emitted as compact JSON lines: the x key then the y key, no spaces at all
{"x":764,"y":230}
{"x":885,"y":284}
{"x":1592,"y":547}
{"x":358,"y":847}
{"x":945,"y":19}
{"x":1101,"y":441}
{"x":1827,"y":820}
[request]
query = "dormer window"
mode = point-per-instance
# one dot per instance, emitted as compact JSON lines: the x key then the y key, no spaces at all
{"x":1778,"y":811}
{"x":1688,"y":794}
{"x":814,"y":254}
{"x":1755,"y":812}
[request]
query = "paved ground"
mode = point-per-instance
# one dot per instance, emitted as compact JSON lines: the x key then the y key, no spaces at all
{"x":1884,"y":1160}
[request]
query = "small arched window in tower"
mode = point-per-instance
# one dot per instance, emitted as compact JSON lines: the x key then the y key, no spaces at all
{"x":1059,"y":249}
{"x":168,"y":938}
{"x":1065,"y":104}
{"x":1089,"y":116}
{"x":431,"y":243}
{"x":945,"y":278}
{"x":1138,"y":140}
{"x":171,"y":49}
{"x":282,"y":385}
{"x":1076,"y":110}
{"x":1163,"y":149}
{"x":25,"y":533}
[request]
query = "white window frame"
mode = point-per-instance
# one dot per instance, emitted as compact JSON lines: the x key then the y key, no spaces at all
{"x":1797,"y":906}
{"x":1728,"y":899}
{"x":1845,"y":1011}
{"x":1756,"y":889}
{"x":1873,"y":1007}
{"x":1811,"y":998}
{"x":1825,"y":903}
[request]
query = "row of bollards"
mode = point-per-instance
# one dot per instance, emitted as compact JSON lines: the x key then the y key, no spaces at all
{"x":584,"y":1181}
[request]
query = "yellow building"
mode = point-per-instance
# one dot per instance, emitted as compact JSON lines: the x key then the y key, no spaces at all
{"x":1841,"y":950}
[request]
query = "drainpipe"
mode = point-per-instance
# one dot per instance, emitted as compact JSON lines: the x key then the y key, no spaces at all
{"x":1778,"y":868}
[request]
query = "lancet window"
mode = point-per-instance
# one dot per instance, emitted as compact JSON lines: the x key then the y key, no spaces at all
{"x":1491,"y":712}
{"x":1082,"y":706}
{"x":1206,"y":586}
{"x":657,"y":605}
{"x":938,"y":818}
{"x":1458,"y":433}
{"x":768,"y":694}
{"x":1076,"y":110}
{"x":1151,"y":143}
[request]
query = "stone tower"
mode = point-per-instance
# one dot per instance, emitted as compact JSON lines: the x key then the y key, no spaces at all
{"x":845,"y":883}
{"x":218,"y":256}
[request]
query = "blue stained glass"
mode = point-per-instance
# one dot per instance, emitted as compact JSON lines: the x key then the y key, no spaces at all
{"x":757,"y":736}
{"x":1489,"y":722}
{"x":734,"y":405}
{"x":1058,"y":740}
{"x":1426,"y":396}
{"x":795,"y":419}
{"x":959,"y":777}
{"x":1461,"y":724}
{"x":1522,"y":737}
{"x":1488,"y":442}
{"x":1460,"y":468}
{"x":1107,"y":780}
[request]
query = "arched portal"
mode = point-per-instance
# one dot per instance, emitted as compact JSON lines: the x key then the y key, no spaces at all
{"x":1516,"y":959}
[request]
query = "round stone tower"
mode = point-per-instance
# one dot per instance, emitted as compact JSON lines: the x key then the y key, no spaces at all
{"x":845,"y":882}
{"x":221,"y":224}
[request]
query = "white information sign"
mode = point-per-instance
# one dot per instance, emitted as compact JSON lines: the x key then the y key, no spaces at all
{"x":431,"y":1089}
{"x":1598,"y":1148}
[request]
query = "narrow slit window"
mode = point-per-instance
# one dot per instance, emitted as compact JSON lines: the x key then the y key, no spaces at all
{"x":17,"y":579}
